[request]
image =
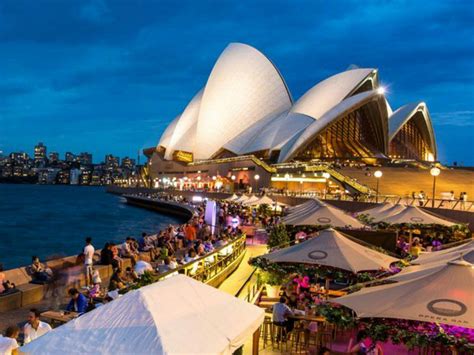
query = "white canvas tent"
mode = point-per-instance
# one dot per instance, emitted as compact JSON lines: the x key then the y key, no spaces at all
{"x":332,"y":248}
{"x":434,"y":256}
{"x":322,"y":214}
{"x":176,"y":316}
{"x":379,"y":208}
{"x":416,"y":271}
{"x":415,"y":215}
{"x":444,"y":296}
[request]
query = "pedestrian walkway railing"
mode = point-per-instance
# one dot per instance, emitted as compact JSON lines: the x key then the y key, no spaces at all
{"x":210,"y":266}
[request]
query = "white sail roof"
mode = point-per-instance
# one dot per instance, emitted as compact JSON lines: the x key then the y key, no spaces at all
{"x":168,"y":133}
{"x":269,"y":134}
{"x":346,"y":106}
{"x":330,"y":92}
{"x":403,"y":114}
{"x":184,"y":133}
{"x":244,"y":87}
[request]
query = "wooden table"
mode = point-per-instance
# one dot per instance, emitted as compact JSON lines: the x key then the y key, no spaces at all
{"x":59,"y":317}
{"x":330,"y":293}
{"x":318,"y":319}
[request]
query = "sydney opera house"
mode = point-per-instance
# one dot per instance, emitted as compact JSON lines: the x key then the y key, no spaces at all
{"x":245,"y":119}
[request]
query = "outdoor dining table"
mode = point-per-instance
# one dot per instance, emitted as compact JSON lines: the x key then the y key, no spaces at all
{"x":60,"y":317}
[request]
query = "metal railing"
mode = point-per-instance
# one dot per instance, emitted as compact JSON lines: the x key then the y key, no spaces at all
{"x":209,"y":266}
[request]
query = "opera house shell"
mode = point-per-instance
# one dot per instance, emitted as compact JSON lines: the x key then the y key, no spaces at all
{"x":246,"y":108}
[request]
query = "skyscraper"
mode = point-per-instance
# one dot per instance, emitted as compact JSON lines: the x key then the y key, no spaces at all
{"x":40,"y":154}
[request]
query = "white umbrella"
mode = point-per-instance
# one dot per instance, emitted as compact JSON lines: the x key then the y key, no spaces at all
{"x":415,"y":215}
{"x":333,"y":249}
{"x":416,"y":271}
{"x":381,"y":216}
{"x":232,"y":198}
{"x":178,"y":315}
{"x":241,"y":199}
{"x":434,"y":256}
{"x":444,"y":296}
{"x":379,"y":208}
{"x":323,"y":215}
{"x":251,"y":200}
{"x":301,"y":207}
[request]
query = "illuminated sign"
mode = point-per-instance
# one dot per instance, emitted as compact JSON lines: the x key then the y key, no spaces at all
{"x":183,"y":156}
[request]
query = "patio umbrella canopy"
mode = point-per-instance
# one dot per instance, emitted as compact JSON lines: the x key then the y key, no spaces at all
{"x":312,"y":203}
{"x":415,"y":215}
{"x":176,"y":316}
{"x":322,"y":214}
{"x":251,"y":200}
{"x":384,"y":214}
{"x":241,"y":199}
{"x":444,"y":296}
{"x":416,"y":271}
{"x":333,"y":249}
{"x":445,"y":254}
{"x":232,"y":198}
{"x":379,"y":208}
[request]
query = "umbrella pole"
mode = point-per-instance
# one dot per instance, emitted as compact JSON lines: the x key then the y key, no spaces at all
{"x":327,"y":287}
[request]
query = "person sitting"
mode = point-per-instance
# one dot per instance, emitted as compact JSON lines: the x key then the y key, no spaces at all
{"x":96,"y":281}
{"x":280,"y":315}
{"x":362,"y":347}
{"x":416,"y":248}
{"x":35,"y":328}
{"x":126,"y":250}
{"x":190,"y":256}
{"x":107,"y":256}
{"x":116,"y":281}
{"x":5,"y":285}
{"x":78,"y":302}
{"x":40,"y":273}
{"x":132,"y":275}
{"x":8,"y":343}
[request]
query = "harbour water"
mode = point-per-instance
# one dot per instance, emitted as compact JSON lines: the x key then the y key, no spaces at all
{"x":53,"y":220}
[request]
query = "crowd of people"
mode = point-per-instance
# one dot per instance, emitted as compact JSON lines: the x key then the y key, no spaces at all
{"x":157,"y":253}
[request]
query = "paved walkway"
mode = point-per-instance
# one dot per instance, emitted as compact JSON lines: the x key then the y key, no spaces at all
{"x":239,"y":277}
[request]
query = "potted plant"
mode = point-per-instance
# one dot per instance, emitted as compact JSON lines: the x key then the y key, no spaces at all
{"x":273,"y":281}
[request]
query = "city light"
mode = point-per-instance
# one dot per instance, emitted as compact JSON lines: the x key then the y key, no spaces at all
{"x":435,"y":171}
{"x":256,"y":177}
{"x":381,"y":90}
{"x":378,"y":174}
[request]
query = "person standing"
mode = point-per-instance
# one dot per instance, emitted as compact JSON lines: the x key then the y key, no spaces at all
{"x":89,"y":251}
{"x":8,"y":343}
{"x":35,"y":328}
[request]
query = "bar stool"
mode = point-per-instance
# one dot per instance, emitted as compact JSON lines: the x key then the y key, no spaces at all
{"x":266,"y":333}
{"x":278,"y":335}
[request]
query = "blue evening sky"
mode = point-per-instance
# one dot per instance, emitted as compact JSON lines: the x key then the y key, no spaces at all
{"x":107,"y":76}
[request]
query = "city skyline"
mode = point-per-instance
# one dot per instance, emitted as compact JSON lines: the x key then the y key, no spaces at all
{"x":114,"y":76}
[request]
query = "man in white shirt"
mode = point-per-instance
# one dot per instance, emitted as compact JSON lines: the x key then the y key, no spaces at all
{"x":35,"y":328}
{"x":280,"y":315}
{"x":88,"y":260}
{"x":8,"y":343}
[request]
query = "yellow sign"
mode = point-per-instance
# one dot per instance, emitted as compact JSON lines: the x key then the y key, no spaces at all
{"x":183,"y":156}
